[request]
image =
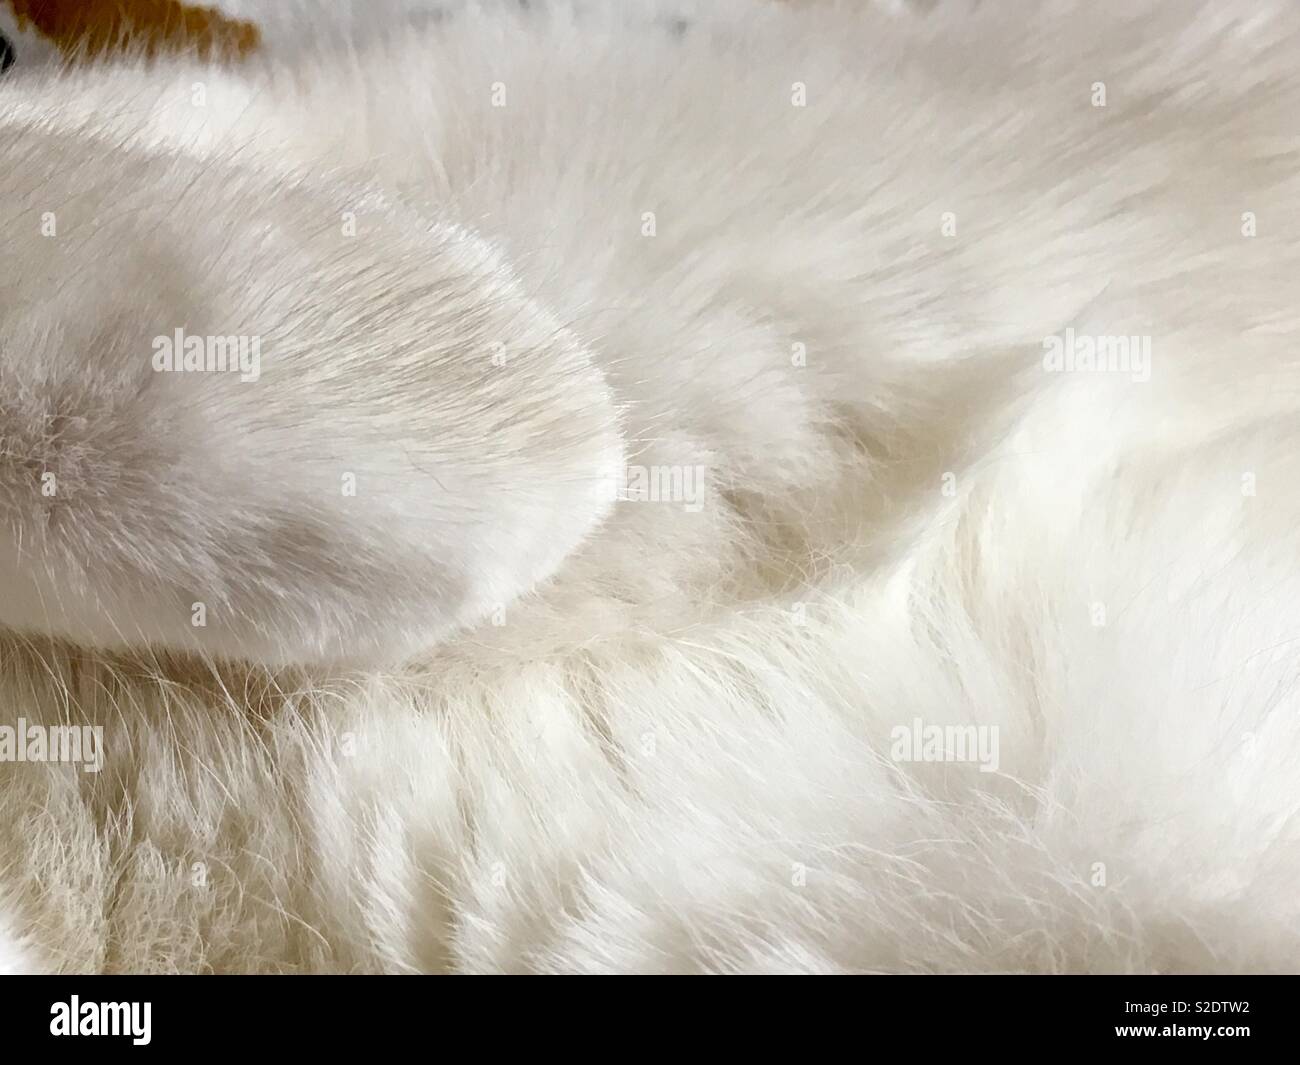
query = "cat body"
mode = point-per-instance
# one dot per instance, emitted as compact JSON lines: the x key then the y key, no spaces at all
{"x":660,"y":419}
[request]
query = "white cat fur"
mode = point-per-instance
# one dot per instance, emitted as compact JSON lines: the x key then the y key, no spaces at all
{"x":649,"y":736}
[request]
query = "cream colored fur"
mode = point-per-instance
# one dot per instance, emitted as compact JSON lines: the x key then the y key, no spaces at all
{"x":487,"y":718}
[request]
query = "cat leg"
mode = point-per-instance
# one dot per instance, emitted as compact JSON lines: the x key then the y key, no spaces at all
{"x":267,"y":421}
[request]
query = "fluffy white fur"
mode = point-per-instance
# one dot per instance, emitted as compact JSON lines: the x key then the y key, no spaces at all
{"x":647,"y":737}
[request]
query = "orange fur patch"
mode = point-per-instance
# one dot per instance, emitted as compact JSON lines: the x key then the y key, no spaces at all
{"x":94,"y":27}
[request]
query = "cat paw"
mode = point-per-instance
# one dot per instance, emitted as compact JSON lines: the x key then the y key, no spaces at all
{"x":265,"y":421}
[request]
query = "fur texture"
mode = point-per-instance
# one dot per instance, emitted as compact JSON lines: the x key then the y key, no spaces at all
{"x":517,"y":257}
